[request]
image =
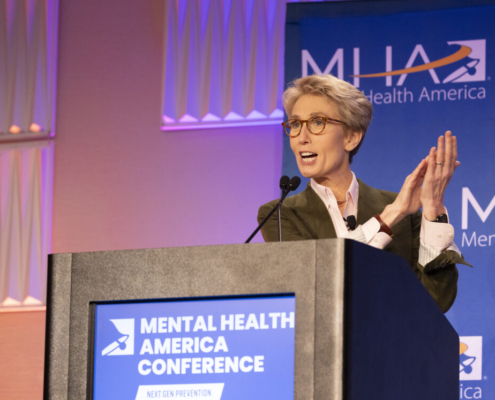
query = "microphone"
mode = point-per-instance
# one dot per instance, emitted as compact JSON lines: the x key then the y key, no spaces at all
{"x":286,"y":185}
{"x":294,"y":183}
{"x":351,"y":222}
{"x":285,"y":182}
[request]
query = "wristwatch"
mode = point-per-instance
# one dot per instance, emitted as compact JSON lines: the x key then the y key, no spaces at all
{"x":442,"y":218}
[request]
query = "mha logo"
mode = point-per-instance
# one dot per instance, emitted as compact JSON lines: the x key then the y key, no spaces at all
{"x":466,"y":63}
{"x":470,"y":364}
{"x":124,"y":334}
{"x":469,"y":60}
{"x":470,"y":358}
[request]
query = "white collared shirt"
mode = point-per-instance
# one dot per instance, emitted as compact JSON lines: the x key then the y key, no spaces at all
{"x":435,"y":238}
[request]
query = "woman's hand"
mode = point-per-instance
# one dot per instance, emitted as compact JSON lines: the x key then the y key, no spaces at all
{"x":441,"y":166}
{"x":408,"y":201}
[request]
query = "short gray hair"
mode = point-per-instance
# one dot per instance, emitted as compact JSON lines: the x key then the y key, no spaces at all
{"x":354,"y":108}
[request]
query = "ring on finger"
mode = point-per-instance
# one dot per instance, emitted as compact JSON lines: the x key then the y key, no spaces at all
{"x":439,"y":163}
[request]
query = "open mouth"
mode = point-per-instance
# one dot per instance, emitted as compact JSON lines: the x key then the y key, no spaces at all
{"x":308,"y":156}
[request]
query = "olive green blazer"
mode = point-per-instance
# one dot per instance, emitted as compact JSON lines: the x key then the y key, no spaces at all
{"x":304,"y":217}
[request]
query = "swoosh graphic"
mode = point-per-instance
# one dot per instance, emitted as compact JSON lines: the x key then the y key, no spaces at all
{"x":463,"y":52}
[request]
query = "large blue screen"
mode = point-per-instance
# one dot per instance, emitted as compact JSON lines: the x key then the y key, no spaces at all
{"x":240,"y":348}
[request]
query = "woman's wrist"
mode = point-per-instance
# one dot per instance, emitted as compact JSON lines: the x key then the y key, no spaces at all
{"x":391,"y":215}
{"x":431,"y":212}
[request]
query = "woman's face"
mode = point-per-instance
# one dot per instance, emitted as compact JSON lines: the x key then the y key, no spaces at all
{"x":320,"y":156}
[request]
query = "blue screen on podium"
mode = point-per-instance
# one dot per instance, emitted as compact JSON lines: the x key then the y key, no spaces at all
{"x":225,"y":348}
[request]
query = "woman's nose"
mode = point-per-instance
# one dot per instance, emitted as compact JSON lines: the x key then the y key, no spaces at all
{"x":305,"y":135}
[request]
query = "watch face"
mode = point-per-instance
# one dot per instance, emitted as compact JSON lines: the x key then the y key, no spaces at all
{"x":442,"y":218}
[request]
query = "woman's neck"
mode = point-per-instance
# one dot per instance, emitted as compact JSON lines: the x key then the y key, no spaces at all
{"x":338,"y":182}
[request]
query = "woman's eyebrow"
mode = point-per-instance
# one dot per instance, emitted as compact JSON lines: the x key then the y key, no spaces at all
{"x":316,"y":114}
{"x":313,"y":114}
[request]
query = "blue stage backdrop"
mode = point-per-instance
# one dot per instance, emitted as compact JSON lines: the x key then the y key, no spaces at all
{"x":354,"y":39}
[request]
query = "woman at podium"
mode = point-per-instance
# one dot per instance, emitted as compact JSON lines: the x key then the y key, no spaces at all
{"x":328,"y":120}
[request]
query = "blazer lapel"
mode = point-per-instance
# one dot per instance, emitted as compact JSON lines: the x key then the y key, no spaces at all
{"x":310,"y":206}
{"x":370,"y":203}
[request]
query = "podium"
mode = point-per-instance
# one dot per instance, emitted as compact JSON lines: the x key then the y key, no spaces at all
{"x":365,"y":328}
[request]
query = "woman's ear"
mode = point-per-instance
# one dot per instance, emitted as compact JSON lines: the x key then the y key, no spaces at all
{"x":353,"y":139}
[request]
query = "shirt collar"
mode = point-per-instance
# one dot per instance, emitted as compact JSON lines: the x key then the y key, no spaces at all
{"x":325,"y":192}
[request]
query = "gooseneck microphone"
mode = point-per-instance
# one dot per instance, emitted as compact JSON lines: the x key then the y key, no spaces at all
{"x":293,"y":184}
{"x":286,"y":185}
{"x":284,"y":182}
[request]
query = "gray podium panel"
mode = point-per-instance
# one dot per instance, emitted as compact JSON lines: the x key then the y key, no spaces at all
{"x":174,"y":273}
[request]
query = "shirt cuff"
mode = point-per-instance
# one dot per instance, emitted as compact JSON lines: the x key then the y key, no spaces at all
{"x":439,"y":236}
{"x":379,"y":240}
{"x":435,"y":238}
{"x":368,"y":234}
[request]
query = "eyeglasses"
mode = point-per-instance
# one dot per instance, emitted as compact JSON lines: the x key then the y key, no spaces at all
{"x":316,"y":125}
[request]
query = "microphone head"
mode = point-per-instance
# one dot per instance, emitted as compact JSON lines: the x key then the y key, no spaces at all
{"x":284,"y":182}
{"x":294,"y":183}
{"x":351,"y":221}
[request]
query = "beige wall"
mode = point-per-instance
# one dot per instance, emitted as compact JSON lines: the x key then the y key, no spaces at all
{"x":119,"y":182}
{"x":22,"y":339}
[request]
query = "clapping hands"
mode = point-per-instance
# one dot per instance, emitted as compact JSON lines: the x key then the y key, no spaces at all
{"x":441,"y":164}
{"x":425,"y":186}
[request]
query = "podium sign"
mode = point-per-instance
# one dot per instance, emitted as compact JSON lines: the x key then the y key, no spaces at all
{"x":228,"y":348}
